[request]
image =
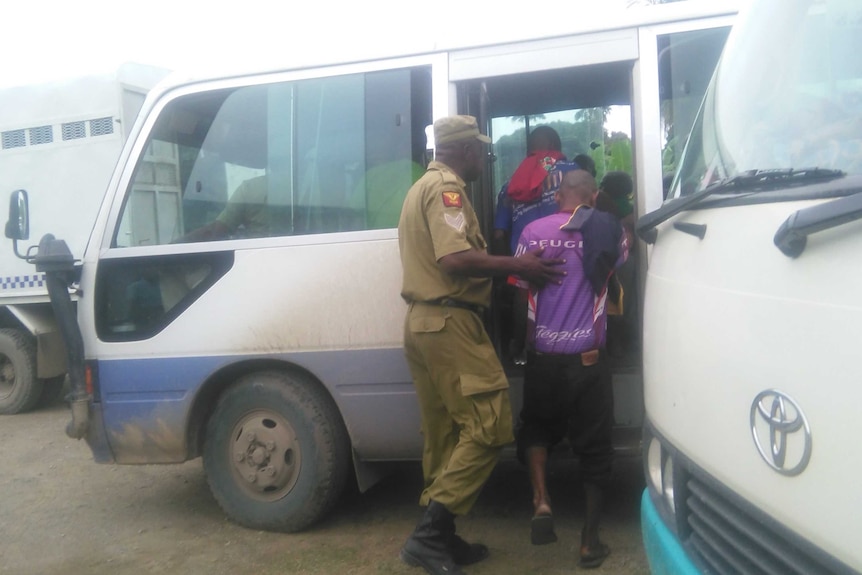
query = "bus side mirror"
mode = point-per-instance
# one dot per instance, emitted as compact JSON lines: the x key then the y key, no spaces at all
{"x":18,"y":225}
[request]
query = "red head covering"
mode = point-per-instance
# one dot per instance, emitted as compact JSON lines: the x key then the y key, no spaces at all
{"x":525,"y":185}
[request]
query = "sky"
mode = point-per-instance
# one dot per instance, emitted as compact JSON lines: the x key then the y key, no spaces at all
{"x":45,"y":40}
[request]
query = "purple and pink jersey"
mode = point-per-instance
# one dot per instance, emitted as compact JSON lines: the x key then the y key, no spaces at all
{"x":568,"y":318}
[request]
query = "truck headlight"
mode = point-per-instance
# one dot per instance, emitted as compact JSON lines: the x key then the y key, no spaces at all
{"x":659,"y":467}
{"x":667,"y":484}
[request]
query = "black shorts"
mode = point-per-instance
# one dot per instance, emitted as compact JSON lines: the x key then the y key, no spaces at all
{"x":563,"y":398}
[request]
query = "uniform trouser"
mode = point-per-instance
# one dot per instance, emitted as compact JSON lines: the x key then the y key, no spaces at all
{"x":463,"y":399}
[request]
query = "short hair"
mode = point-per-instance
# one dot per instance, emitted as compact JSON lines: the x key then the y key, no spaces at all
{"x":578,"y":182}
{"x":617,"y":184}
{"x":586,"y":162}
{"x":544,"y":135}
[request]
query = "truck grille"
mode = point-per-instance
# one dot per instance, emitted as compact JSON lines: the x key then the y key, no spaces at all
{"x":729,"y":540}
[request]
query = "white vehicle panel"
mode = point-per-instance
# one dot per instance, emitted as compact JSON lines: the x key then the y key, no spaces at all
{"x":771,"y":325}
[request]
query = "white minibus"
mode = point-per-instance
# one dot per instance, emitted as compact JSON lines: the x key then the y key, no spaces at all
{"x":239,"y":295}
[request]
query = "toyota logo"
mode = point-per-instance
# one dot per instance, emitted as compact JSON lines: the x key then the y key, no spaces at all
{"x":780,"y":432}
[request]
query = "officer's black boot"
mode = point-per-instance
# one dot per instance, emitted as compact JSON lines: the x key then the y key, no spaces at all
{"x":466,"y":553}
{"x":462,"y":552}
{"x":429,"y":544}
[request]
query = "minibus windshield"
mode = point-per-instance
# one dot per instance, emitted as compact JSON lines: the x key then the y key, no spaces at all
{"x":796,"y":109}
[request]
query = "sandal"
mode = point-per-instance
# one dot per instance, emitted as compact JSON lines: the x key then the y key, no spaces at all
{"x":542,"y":529}
{"x":595,"y":557}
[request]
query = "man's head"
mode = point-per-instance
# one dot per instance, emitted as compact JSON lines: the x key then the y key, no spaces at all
{"x":544,"y":138}
{"x":586,"y":162}
{"x":577,"y":188}
{"x":460,"y":145}
{"x":617,"y":184}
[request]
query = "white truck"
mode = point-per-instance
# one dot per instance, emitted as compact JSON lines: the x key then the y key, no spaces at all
{"x":60,"y":142}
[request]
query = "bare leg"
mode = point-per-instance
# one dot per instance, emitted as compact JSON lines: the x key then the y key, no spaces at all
{"x":593,"y":551}
{"x":542,"y":524}
{"x":590,"y":534}
{"x":537,"y":460}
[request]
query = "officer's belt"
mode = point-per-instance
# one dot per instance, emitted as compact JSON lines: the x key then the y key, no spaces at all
{"x":449,"y":302}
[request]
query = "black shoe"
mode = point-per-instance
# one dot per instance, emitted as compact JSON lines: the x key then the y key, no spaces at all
{"x":432,"y":562}
{"x":429,"y":544}
{"x":467,"y":553}
{"x":542,"y":529}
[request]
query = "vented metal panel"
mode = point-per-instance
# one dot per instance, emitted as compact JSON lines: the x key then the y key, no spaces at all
{"x":74,"y":130}
{"x":41,"y":135}
{"x":101,"y":126}
{"x":14,"y":139}
{"x":729,"y":540}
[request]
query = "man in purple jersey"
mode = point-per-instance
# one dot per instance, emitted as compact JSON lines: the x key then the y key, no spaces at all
{"x":567,"y":381}
{"x":528,"y":196}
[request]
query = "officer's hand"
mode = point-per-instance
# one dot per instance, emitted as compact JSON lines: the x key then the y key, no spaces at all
{"x":540,"y":271}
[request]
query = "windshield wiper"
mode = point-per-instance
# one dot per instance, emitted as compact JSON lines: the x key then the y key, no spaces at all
{"x":762,"y":180}
{"x":792,"y":235}
{"x":745,"y":182}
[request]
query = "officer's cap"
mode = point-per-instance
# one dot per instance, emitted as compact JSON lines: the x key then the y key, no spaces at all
{"x":456,"y":128}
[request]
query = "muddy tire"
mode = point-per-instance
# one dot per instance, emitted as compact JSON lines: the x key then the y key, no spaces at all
{"x":19,"y":388}
{"x":276,"y":453}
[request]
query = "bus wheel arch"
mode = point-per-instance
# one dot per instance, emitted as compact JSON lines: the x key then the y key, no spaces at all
{"x":276,"y":452}
{"x":20,"y":390}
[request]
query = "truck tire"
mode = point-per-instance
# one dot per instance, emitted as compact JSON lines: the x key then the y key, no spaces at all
{"x":276,"y":453}
{"x":19,"y":388}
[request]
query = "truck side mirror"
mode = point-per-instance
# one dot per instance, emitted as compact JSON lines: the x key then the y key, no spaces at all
{"x":18,"y":225}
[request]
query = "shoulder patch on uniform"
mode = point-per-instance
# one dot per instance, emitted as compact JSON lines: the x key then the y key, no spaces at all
{"x":456,"y":222}
{"x":452,"y":199}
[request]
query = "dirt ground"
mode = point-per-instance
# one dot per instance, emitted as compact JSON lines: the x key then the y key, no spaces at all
{"x":64,"y":514}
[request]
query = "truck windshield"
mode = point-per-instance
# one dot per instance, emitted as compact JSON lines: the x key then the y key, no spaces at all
{"x":796,"y":107}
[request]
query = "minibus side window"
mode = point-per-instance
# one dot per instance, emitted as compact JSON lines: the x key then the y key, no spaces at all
{"x":313,"y":156}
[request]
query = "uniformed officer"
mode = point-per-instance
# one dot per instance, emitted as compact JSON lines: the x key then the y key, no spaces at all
{"x":460,"y":383}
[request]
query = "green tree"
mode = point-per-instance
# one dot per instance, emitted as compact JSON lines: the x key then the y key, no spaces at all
{"x":585,"y":135}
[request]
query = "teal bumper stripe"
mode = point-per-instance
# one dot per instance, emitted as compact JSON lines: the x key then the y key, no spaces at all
{"x":663,"y":550}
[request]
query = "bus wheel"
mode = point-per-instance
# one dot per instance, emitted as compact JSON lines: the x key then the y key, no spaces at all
{"x":19,"y":388}
{"x":276,"y":453}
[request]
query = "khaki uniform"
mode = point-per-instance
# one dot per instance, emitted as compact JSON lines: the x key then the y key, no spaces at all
{"x":462,"y":389}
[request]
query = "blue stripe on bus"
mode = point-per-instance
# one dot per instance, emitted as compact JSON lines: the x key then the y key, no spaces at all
{"x":663,"y":550}
{"x":146,"y":402}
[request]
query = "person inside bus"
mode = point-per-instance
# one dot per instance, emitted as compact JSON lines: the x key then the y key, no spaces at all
{"x":390,"y":171}
{"x":527,"y":196}
{"x":586,"y":162}
{"x":463,"y":392}
{"x":615,"y":197}
{"x":245,"y":212}
{"x":567,"y":381}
